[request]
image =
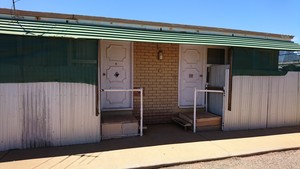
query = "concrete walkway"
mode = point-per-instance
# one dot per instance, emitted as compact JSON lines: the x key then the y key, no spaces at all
{"x":161,"y":145}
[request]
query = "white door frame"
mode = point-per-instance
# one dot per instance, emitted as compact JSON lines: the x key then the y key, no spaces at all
{"x":203,"y":68}
{"x":100,"y":74}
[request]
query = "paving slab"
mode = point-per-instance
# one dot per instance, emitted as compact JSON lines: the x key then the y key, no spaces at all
{"x":51,"y":162}
{"x":67,"y":162}
{"x":30,"y":163}
{"x":162,"y":145}
{"x":159,"y":155}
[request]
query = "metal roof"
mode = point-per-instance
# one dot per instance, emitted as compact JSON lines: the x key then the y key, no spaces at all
{"x":125,"y":23}
{"x":71,"y":30}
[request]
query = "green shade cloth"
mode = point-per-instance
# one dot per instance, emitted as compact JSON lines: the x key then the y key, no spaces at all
{"x":39,"y":59}
{"x":255,"y":62}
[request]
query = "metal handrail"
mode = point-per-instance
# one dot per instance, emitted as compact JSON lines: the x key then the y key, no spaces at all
{"x":195,"y":102}
{"x":141,"y":100}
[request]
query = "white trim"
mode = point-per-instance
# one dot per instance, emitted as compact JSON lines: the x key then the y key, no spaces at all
{"x":120,"y":109}
{"x":99,"y":87}
{"x":190,"y":107}
{"x":131,"y":74}
{"x":179,"y":79}
{"x":132,"y":71}
{"x":225,"y":98}
{"x":203,"y":69}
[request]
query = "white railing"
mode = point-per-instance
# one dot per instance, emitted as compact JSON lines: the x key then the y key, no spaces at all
{"x":195,"y":102}
{"x":141,"y":102}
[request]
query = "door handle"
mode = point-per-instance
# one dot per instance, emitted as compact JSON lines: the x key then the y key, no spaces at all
{"x":103,"y":74}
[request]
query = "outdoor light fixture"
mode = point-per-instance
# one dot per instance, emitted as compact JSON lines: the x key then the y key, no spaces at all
{"x":160,"y":55}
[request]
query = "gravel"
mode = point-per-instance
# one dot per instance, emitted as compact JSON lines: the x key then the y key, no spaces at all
{"x":281,"y":160}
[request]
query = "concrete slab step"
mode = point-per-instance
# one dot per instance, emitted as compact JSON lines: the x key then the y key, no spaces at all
{"x":119,"y":125}
{"x":185,"y":124}
{"x":205,"y":120}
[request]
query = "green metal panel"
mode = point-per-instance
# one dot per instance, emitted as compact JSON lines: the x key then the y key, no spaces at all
{"x":49,"y":29}
{"x":39,"y":59}
{"x":255,"y":62}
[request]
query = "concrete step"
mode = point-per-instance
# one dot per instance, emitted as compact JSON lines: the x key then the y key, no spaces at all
{"x":118,"y":125}
{"x":182,"y":122}
{"x":205,"y":120}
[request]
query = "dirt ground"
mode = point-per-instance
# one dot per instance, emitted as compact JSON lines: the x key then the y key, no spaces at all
{"x":281,"y":160}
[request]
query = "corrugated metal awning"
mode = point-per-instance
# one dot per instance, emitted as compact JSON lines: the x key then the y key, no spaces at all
{"x":67,"y":30}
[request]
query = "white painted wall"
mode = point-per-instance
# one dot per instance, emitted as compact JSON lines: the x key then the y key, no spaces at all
{"x":263,"y":102}
{"x":47,"y":114}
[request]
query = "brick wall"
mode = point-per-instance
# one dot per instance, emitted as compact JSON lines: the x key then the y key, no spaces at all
{"x":159,"y":78}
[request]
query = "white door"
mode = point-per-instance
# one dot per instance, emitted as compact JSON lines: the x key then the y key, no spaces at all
{"x":116,"y":73}
{"x":192,"y":74}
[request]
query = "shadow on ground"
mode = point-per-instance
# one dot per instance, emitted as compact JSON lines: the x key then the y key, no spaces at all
{"x":155,"y":135}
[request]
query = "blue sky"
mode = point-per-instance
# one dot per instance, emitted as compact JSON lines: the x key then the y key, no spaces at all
{"x":274,"y":16}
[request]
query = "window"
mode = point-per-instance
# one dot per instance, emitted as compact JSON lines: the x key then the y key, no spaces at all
{"x":215,"y":56}
{"x":289,"y":60}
